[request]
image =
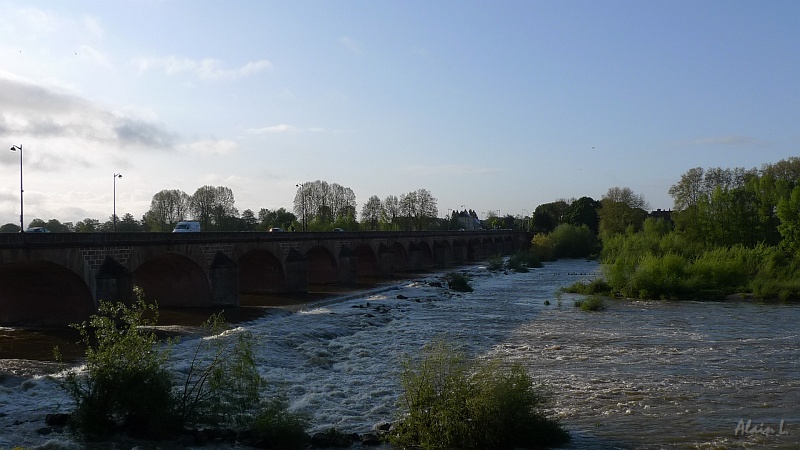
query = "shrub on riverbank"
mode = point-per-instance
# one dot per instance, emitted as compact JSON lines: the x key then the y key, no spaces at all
{"x":592,"y":303}
{"x":659,"y":264}
{"x":451,"y":402}
{"x":565,"y":241}
{"x":127,"y":385}
{"x":593,"y":287}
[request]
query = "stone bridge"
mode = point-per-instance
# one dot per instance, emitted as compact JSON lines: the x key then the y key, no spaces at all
{"x":59,"y":278}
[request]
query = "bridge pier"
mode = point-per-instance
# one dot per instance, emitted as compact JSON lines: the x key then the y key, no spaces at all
{"x":296,"y":272}
{"x":415,"y":262}
{"x":385,"y":261}
{"x":223,"y":275}
{"x":113,"y":283}
{"x":348,"y":267}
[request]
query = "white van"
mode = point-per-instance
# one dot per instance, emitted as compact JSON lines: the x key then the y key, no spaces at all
{"x":187,"y":227}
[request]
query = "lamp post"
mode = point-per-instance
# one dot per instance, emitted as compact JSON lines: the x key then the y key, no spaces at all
{"x":302,"y":203}
{"x":116,"y":175}
{"x":13,"y":149}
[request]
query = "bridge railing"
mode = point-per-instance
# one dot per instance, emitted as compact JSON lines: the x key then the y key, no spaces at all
{"x":22,"y":240}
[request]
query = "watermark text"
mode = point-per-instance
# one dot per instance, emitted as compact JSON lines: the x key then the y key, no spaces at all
{"x":746,"y":428}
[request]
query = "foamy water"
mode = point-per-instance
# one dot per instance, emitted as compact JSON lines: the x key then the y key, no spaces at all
{"x":638,"y":375}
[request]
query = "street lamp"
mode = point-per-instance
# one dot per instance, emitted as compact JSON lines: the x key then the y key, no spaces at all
{"x":116,"y":175}
{"x":302,"y":203}
{"x":13,"y":149}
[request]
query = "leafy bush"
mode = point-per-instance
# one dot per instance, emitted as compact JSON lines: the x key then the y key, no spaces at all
{"x":593,"y":287}
{"x":273,"y":426}
{"x":593,"y":303}
{"x":543,"y":247}
{"x":451,"y":402}
{"x":523,"y":260}
{"x":570,"y":241}
{"x":458,"y":282}
{"x":126,"y":384}
{"x":495,"y":262}
{"x":222,"y":385}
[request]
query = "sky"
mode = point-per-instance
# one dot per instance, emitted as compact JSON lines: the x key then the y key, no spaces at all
{"x":491,"y":106}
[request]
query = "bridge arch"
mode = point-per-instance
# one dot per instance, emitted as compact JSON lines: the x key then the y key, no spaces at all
{"x":488,"y":247}
{"x":366,"y":261}
{"x":322,"y":267}
{"x":43,"y":293}
{"x":260,"y":272}
{"x":399,"y":258}
{"x":426,"y":255}
{"x":173,"y":279}
{"x":474,"y":251}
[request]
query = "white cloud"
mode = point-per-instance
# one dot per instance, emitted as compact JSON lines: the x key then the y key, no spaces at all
{"x":210,"y":147}
{"x":92,"y":26}
{"x":731,"y":139}
{"x":37,"y":111}
{"x":451,"y":169}
{"x":284,"y":128}
{"x":206,"y":69}
{"x":351,"y":44}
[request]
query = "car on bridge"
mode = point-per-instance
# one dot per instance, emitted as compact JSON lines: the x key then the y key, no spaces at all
{"x":187,"y":227}
{"x":37,"y":230}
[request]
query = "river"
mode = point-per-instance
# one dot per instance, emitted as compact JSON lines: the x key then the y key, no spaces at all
{"x":638,"y":375}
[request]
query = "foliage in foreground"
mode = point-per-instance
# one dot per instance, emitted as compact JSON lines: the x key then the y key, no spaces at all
{"x":127,"y":385}
{"x":452,"y":402}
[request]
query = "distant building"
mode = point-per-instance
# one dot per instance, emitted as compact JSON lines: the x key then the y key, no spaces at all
{"x":661,"y":214}
{"x":468,"y":221}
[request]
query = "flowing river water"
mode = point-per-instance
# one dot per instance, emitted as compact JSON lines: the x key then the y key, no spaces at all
{"x":638,"y":375}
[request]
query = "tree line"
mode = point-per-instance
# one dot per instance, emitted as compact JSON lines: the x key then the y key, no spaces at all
{"x":317,"y":206}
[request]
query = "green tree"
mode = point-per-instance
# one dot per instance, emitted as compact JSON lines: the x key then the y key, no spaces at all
{"x":320,"y":204}
{"x":418,"y":209}
{"x":617,"y":217}
{"x":87,"y":225}
{"x":214,"y":208}
{"x":248,"y":220}
{"x":686,"y":192}
{"x":55,"y":226}
{"x":167,"y":208}
{"x":547,"y":216}
{"x":128,"y":224}
{"x":627,"y":196}
{"x":9,"y":228}
{"x":371,"y":212}
{"x":583,"y":211}
{"x":390,"y":212}
{"x":37,"y":223}
{"x":788,"y":211}
{"x":275,"y":218}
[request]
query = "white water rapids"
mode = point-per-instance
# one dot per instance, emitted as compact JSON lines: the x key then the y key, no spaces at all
{"x":637,"y":375}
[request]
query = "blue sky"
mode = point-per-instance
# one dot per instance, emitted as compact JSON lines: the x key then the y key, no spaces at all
{"x":493,"y":105}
